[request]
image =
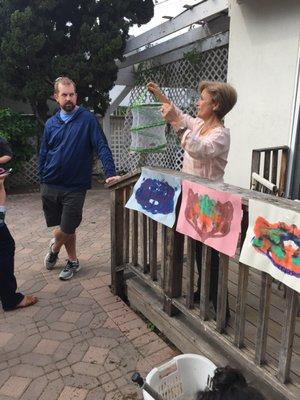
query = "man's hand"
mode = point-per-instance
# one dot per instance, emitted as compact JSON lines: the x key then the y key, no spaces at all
{"x":112,"y":179}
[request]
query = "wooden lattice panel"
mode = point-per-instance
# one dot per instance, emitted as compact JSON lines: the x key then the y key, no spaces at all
{"x":28,"y":176}
{"x":182,"y":80}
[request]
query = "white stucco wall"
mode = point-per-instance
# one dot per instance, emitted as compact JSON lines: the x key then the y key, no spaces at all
{"x":263,"y":53}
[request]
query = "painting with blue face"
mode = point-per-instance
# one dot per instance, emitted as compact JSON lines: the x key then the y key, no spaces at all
{"x":155,"y":194}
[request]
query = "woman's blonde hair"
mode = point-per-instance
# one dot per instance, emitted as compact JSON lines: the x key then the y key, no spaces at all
{"x":222,"y":93}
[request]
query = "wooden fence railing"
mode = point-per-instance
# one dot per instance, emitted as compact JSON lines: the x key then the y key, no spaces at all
{"x":164,"y":259}
{"x":271,"y":163}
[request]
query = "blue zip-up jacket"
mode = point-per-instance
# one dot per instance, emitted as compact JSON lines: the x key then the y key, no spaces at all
{"x":66,"y":152}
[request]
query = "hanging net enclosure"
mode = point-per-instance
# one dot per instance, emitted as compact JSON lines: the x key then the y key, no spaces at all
{"x":148,"y":128}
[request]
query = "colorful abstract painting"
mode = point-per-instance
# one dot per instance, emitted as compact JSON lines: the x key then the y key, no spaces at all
{"x":272,"y":242}
{"x":156,"y":194}
{"x":210,"y":216}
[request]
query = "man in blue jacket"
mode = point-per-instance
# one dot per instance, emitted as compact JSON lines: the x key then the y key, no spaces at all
{"x":66,"y":157}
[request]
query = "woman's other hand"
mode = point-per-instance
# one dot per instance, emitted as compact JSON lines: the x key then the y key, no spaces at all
{"x":153,"y":88}
{"x":169,"y":113}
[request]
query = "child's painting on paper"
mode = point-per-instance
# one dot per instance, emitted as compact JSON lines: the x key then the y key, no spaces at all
{"x":210,"y":216}
{"x":272,"y":242}
{"x":156,"y":194}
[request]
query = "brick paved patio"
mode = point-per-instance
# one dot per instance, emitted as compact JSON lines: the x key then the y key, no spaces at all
{"x":79,"y":342}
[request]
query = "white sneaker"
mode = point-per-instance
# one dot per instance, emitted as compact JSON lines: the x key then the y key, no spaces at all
{"x":71,"y":267}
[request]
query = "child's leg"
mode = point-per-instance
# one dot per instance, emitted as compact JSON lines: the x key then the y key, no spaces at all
{"x":2,"y":192}
{"x":8,"y":285}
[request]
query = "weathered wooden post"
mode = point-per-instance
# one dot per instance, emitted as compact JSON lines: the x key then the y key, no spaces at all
{"x":143,"y":238}
{"x":190,"y":273}
{"x":222,"y":293}
{"x":120,"y":230}
{"x":173,"y":269}
{"x":288,"y":332}
{"x":240,"y":311}
{"x":117,"y":241}
{"x":205,"y":281}
{"x":263,"y":318}
{"x":134,"y":237}
{"x":153,"y":249}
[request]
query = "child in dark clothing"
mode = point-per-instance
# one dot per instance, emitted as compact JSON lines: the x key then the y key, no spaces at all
{"x":229,"y":384}
{"x":5,"y":154}
{"x":10,"y":299}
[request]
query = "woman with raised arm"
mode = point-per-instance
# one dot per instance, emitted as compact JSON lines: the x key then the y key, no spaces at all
{"x":206,"y":143}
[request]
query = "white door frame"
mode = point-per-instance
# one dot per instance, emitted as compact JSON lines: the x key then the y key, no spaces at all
{"x":295,"y":126}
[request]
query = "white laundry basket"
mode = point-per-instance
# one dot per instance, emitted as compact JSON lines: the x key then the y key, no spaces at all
{"x":183,"y":376}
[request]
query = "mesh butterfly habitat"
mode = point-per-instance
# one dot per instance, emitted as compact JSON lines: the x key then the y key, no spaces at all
{"x":148,"y":127}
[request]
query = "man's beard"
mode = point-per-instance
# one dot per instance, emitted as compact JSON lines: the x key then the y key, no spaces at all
{"x":68,"y":107}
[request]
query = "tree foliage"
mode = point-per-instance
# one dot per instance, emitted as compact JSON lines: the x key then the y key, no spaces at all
{"x":20,"y":132}
{"x":43,"y":39}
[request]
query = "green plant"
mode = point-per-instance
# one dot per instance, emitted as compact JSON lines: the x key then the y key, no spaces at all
{"x":151,"y":326}
{"x":194,"y":57}
{"x":120,"y":111}
{"x":20,"y":132}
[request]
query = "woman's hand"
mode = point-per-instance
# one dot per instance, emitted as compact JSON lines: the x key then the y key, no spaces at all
{"x":169,"y":113}
{"x":155,"y":90}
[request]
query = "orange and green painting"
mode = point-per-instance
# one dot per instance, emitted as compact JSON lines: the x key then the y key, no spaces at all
{"x":210,"y":216}
{"x":279,"y":242}
{"x":272,"y":241}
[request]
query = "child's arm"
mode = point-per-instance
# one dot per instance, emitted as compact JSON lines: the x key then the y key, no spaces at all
{"x":2,"y":191}
{"x":5,"y":152}
{"x":5,"y":159}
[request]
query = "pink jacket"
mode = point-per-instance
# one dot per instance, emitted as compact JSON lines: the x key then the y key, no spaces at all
{"x":205,"y":156}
